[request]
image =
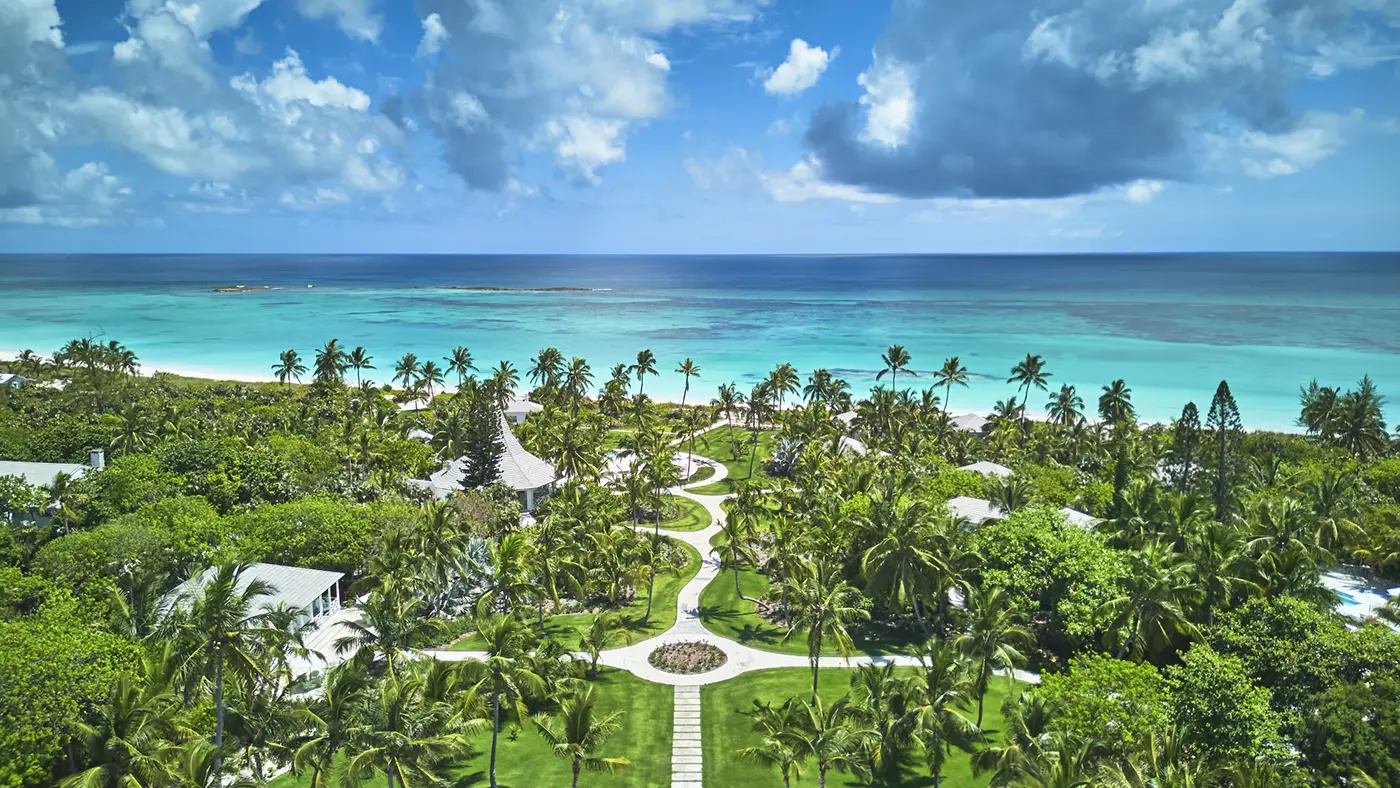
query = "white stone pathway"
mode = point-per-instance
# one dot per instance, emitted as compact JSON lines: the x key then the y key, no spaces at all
{"x":687,"y":759}
{"x":688,"y":628}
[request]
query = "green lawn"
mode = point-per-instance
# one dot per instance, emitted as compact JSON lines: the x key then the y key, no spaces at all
{"x":612,"y":439}
{"x":715,"y":445}
{"x":644,"y":739}
{"x":723,"y":613}
{"x":693,"y":516}
{"x":727,"y":730}
{"x":569,"y":628}
{"x":702,"y":473}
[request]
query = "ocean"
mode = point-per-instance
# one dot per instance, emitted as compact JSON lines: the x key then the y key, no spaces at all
{"x":1172,"y":326}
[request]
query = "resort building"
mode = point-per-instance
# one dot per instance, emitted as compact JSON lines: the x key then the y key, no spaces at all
{"x":979,"y":510}
{"x":969,"y":422}
{"x":988,"y":469}
{"x":43,"y":474}
{"x":12,"y":380}
{"x":518,"y":408}
{"x":529,"y":476}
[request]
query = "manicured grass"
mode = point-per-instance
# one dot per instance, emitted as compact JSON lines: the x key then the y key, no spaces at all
{"x":726,"y":730}
{"x":612,"y":440}
{"x":723,"y":613}
{"x":644,"y":739}
{"x":569,"y":628}
{"x":693,"y":516}
{"x":715,"y":445}
{"x":702,"y":473}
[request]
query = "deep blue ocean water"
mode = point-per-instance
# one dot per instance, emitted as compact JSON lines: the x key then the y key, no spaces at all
{"x":1171,"y":325}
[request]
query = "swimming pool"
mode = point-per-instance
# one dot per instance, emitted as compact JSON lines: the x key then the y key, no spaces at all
{"x":1357,"y":597}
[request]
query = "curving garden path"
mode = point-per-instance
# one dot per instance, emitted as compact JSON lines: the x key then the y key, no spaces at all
{"x":686,"y":753}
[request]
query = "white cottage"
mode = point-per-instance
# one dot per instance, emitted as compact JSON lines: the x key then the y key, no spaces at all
{"x":529,"y":476}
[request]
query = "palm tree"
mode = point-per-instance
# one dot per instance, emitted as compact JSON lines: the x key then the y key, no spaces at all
{"x":430,"y":375}
{"x":289,"y":368}
{"x":826,"y":733}
{"x":725,"y":404}
{"x":504,"y":380}
{"x":991,"y":642}
{"x":598,"y":637}
{"x":941,"y":688}
{"x":1066,"y":408}
{"x":739,"y":529}
{"x":1151,"y":607}
{"x":546,"y":368}
{"x":952,"y":373}
{"x":577,"y":378}
{"x":903,"y":566}
{"x":223,"y":630}
{"x":406,"y":369}
{"x":783,"y":380}
{"x":330,"y":363}
{"x":823,"y":606}
{"x":1116,"y":403}
{"x":895,"y":359}
{"x":359,"y":359}
{"x":461,"y":363}
{"x":504,"y":674}
{"x":331,"y":716}
{"x":689,"y":370}
{"x":129,"y":742}
{"x":883,"y":704}
{"x":780,"y":729}
{"x":1026,"y":718}
{"x":646,"y":365}
{"x":1029,"y":372}
{"x":403,"y":735}
{"x":583,"y":733}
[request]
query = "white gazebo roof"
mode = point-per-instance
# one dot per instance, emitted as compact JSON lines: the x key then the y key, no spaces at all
{"x":847,"y":417}
{"x":1079,"y":518}
{"x":519,"y":404}
{"x":987,"y":468}
{"x":292,"y":586}
{"x":420,"y":435}
{"x":41,"y":474}
{"x":969,"y":422}
{"x":847,"y":443}
{"x":520,"y":470}
{"x":974,"y":510}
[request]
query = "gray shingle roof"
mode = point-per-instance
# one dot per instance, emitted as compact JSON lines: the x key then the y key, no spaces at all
{"x":41,"y":474}
{"x":974,"y":510}
{"x":520,"y":470}
{"x":987,"y":468}
{"x":295,"y":587}
{"x":1079,"y":518}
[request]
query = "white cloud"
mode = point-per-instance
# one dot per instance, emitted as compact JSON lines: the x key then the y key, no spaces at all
{"x":32,"y":21}
{"x":803,"y":67}
{"x":433,"y":36}
{"x":1317,"y":136}
{"x":169,"y":139}
{"x":1142,"y":191}
{"x":804,"y":182}
{"x":570,"y":75}
{"x":354,"y":17}
{"x":779,"y":128}
{"x":289,"y":84}
{"x":736,"y":169}
{"x":889,"y":98}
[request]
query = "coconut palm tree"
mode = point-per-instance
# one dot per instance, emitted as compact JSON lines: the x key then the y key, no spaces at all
{"x":130,"y":739}
{"x":577,"y":378}
{"x":780,"y":730}
{"x":460,"y":363}
{"x":394,"y":620}
{"x":883,"y":704}
{"x":1026,"y":719}
{"x":1066,"y":408}
{"x":431,"y":376}
{"x":331,"y":363}
{"x":993,"y":641}
{"x":404,"y":735}
{"x":896,"y":358}
{"x":902,"y":567}
{"x":584,"y":732}
{"x":689,"y":370}
{"x":952,"y":373}
{"x":1220,"y":567}
{"x":943,"y":685}
{"x":828,"y":734}
{"x":1150,"y":610}
{"x":406,"y":369}
{"x":726,"y":403}
{"x":783,"y":380}
{"x":504,"y":380}
{"x":823,"y":607}
{"x":359,"y":359}
{"x":289,"y":368}
{"x":1027,"y":373}
{"x":1116,"y":403}
{"x":646,"y":365}
{"x":504,"y":676}
{"x":223,"y":630}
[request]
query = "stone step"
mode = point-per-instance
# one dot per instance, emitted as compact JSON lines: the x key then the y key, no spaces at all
{"x":677,"y":760}
{"x":680,"y":748}
{"x":688,"y":768}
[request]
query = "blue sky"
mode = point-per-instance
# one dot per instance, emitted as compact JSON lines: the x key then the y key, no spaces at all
{"x":711,"y":126}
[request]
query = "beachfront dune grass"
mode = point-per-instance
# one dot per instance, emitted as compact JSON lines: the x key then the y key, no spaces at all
{"x":726,"y":730}
{"x":568,"y":628}
{"x":526,"y":761}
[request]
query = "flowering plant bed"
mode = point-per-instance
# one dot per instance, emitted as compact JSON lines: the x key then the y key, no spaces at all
{"x":688,"y":657}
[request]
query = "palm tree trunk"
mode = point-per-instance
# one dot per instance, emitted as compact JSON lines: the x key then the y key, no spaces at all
{"x":495,"y":732}
{"x":737,"y":589}
{"x":821,"y":776}
{"x":219,"y":713}
{"x":816,"y":665}
{"x":651,"y":584}
{"x":576,"y":769}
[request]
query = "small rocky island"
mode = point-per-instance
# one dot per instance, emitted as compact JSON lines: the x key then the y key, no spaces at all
{"x":242,"y":289}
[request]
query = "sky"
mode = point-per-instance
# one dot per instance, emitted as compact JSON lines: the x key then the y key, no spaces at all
{"x":699,"y":126}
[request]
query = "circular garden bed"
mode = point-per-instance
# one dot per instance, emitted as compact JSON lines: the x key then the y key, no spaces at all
{"x":687,"y":657}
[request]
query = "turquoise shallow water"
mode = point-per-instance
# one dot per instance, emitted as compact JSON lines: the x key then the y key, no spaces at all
{"x":1172,"y":326}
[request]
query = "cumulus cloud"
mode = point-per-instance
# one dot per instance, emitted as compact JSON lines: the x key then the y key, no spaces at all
{"x":1046,"y":98}
{"x":742,"y":170}
{"x":433,"y":36}
{"x":571,"y":77}
{"x":354,"y":17}
{"x":803,"y":67}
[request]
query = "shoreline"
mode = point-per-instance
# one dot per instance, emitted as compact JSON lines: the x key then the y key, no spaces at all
{"x":210,"y":374}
